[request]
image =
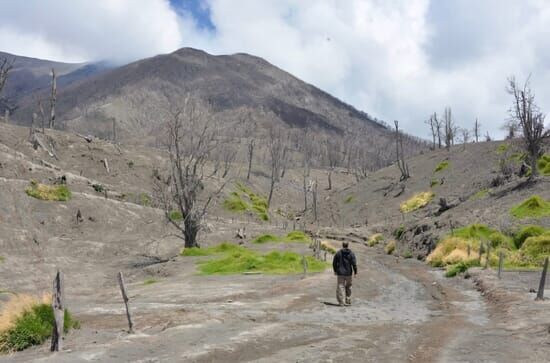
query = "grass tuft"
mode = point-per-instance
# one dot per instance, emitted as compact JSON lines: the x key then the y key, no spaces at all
{"x":348,"y":199}
{"x":59,"y":193}
{"x":458,"y":268}
{"x":175,"y":216}
{"x":532,"y":207}
{"x":442,"y":166}
{"x":375,"y":239}
{"x":526,"y":232}
{"x":416,"y":202}
{"x":480,"y":195}
{"x":150,"y":281}
{"x":390,"y":247}
{"x":26,"y":321}
{"x":294,"y":236}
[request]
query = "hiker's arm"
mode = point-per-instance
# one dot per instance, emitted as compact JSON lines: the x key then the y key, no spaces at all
{"x":335,"y":262}
{"x":354,"y":263}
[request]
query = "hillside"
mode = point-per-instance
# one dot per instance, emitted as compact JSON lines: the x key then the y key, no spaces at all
{"x":401,"y":308}
{"x":30,"y":76}
{"x":244,"y":93}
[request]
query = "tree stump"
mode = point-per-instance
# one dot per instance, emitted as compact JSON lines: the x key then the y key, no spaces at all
{"x":58,"y":306}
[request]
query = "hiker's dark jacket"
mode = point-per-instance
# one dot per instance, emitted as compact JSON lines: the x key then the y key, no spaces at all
{"x":344,"y":262}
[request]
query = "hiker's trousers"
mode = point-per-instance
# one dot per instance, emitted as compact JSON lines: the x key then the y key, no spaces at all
{"x":343,"y":284}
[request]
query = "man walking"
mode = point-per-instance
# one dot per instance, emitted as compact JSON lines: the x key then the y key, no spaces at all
{"x":344,"y":264}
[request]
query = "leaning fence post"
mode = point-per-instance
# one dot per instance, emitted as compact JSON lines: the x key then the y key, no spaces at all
{"x":304,"y":264}
{"x":125,"y":298}
{"x":542,"y":284}
{"x":500,"y":262}
{"x":58,"y":306}
{"x":480,"y":253}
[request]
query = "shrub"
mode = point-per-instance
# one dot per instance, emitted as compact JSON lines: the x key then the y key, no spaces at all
{"x":474,"y":231}
{"x":390,"y":247}
{"x":416,"y":202}
{"x":325,"y":246}
{"x":498,"y":239}
{"x":130,"y":164}
{"x":398,"y":232}
{"x":99,"y":188}
{"x":149,"y":281}
{"x":145,"y":200}
{"x":526,"y":232}
{"x":442,"y":166}
{"x":26,"y":321}
{"x":453,"y":250}
{"x":234,"y":203}
{"x":532,"y":207}
{"x":502,"y":148}
{"x":294,"y":236}
{"x":272,"y":263}
{"x":348,"y":199}
{"x":375,"y":239}
{"x":266,"y":238}
{"x":297,"y":236}
{"x":543,"y":164}
{"x":458,"y":268}
{"x":59,"y":193}
{"x":434,"y":183}
{"x":407,"y":254}
{"x":535,"y":249}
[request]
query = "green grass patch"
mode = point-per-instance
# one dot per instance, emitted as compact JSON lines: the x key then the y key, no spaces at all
{"x":535,"y":249}
{"x":175,"y":216}
{"x":294,"y":236}
{"x":543,"y":164}
{"x":442,"y":166}
{"x":249,"y":261}
{"x":244,"y":199}
{"x":533,"y":207}
{"x":398,"y":232}
{"x":59,"y":193}
{"x":528,"y":231}
{"x":348,"y":199}
{"x":224,"y":247}
{"x":416,"y":202}
{"x":150,"y":281}
{"x":434,"y":183}
{"x":33,"y":327}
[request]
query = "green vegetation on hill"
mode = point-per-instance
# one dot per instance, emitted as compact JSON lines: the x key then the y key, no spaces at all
{"x":527,"y":247}
{"x":480,"y":195}
{"x":390,"y":247}
{"x":532,"y":207}
{"x":25,"y":321}
{"x":416,"y":202}
{"x":294,"y":236}
{"x":250,"y":261}
{"x":243,"y":199}
{"x":175,"y":216}
{"x":59,"y":193}
{"x":442,"y":166}
{"x":543,"y":165}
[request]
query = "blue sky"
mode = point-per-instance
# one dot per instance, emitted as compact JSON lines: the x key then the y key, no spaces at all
{"x":394,"y":59}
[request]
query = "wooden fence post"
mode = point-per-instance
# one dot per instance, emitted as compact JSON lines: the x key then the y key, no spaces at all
{"x":542,"y":284}
{"x":58,"y":306}
{"x":480,"y":253}
{"x":487,"y":257}
{"x":125,"y":298}
{"x":304,"y":263}
{"x":500,"y":262}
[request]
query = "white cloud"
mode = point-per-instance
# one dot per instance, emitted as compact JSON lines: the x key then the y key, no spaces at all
{"x":395,"y":59}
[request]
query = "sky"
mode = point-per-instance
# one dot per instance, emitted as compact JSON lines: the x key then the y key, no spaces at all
{"x":394,"y":59}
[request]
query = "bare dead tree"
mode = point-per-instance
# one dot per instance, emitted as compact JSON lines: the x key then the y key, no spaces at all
{"x":512,"y":128}
{"x":438,"y":128}
{"x":527,"y":114}
{"x":477,"y":128}
{"x":53,"y":99}
{"x":487,"y":136}
{"x":450,"y":128}
{"x":192,"y":138}
{"x":6,"y":65}
{"x":114,"y":130}
{"x":285,"y":160}
{"x":250,"y":155}
{"x":334,"y":157}
{"x":229,"y":155}
{"x":275,"y":150}
{"x":433,"y":129}
{"x":403,"y":167}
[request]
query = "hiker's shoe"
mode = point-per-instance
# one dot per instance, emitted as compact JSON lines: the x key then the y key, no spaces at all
{"x":348,"y":303}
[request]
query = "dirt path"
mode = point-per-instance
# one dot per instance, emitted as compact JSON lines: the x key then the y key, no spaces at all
{"x":401,"y":312}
